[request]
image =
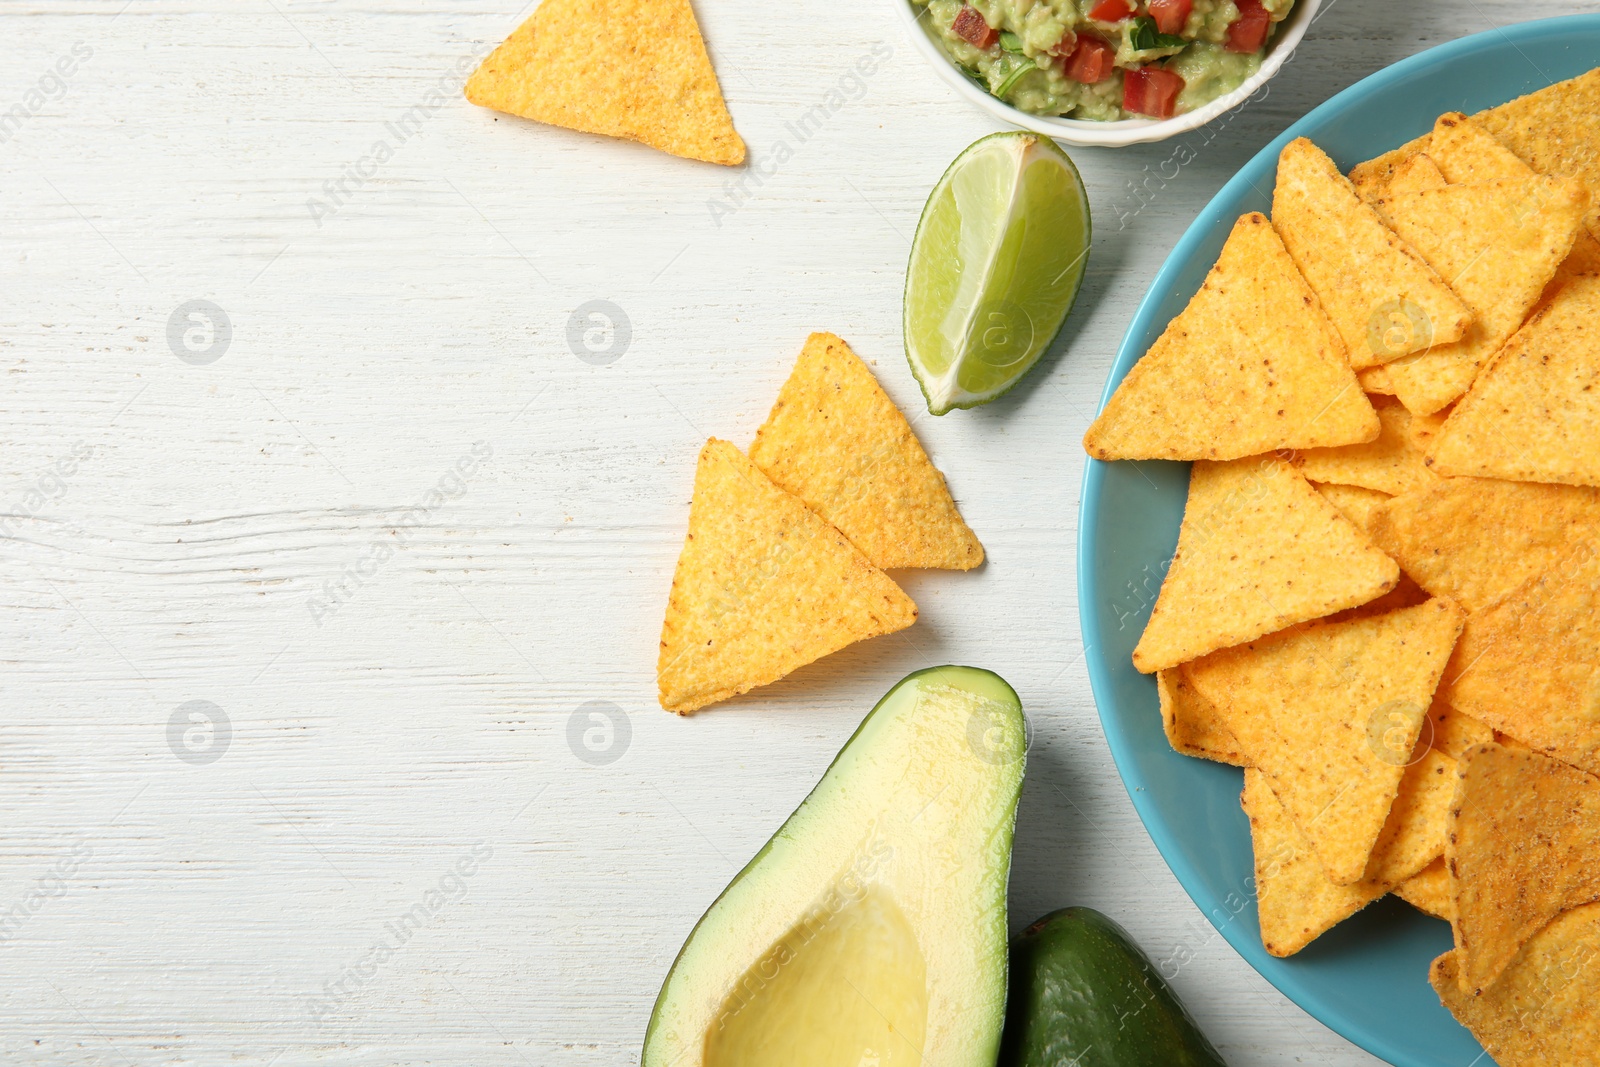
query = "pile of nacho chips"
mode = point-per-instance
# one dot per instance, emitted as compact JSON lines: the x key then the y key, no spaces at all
{"x":1385,"y":600}
{"x":787,"y":547}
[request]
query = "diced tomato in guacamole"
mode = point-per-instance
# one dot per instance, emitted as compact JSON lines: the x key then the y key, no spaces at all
{"x":1094,"y":59}
{"x":1151,"y":91}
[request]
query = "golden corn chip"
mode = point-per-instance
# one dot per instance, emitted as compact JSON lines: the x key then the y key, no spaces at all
{"x":1193,"y":724}
{"x":1414,"y":175}
{"x":1375,"y":380}
{"x":1346,"y":703}
{"x":1527,"y":665}
{"x":1259,"y":550}
{"x":1383,"y":300}
{"x":1524,"y":833}
{"x":1371,"y":179}
{"x":1354,"y":503}
{"x":1554,"y":132}
{"x":1452,"y":732}
{"x":1429,"y":891}
{"x":1295,"y":901}
{"x":1413,"y":835}
{"x":635,"y":69}
{"x":1542,"y":1011}
{"x":1535,"y":414}
{"x":1251,"y":365}
{"x":835,"y":440}
{"x":1476,"y":539}
{"x":1497,"y":244}
{"x":1467,"y":153}
{"x":1392,"y":464}
{"x":763,"y":586}
{"x":1424,"y":428}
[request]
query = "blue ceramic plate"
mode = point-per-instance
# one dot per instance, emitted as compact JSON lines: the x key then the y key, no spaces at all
{"x":1367,"y":979}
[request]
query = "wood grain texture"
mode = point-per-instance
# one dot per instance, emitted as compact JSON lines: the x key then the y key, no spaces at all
{"x":170,"y":529}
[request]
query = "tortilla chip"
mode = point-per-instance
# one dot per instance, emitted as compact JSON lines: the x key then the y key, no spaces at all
{"x":1425,"y":428}
{"x":1498,"y":245}
{"x":1476,"y":539}
{"x":1295,"y":902}
{"x":1413,"y":835}
{"x":1251,"y":365}
{"x":1535,"y":414}
{"x":1542,"y":1011}
{"x":835,"y":440}
{"x":1383,"y":300}
{"x":1375,"y":380}
{"x":1259,"y":550}
{"x":1467,"y":153}
{"x":763,"y":586}
{"x":635,"y":69}
{"x":1371,"y":179}
{"x":1392,"y":464}
{"x":1354,"y":503}
{"x":1429,"y":891}
{"x":1554,"y":132}
{"x":1453,"y":732}
{"x":1527,"y":665}
{"x":1346,"y":702}
{"x":1192,"y":723}
{"x":1414,"y":175}
{"x":1501,"y":738}
{"x":1524,"y":833}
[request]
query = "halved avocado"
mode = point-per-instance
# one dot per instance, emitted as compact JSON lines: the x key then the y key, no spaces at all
{"x":871,"y":930}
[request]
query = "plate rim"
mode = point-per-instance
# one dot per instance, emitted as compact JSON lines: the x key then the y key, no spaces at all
{"x":1244,"y":943}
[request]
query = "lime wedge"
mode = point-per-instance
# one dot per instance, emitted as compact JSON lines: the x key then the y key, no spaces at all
{"x":995,"y":265}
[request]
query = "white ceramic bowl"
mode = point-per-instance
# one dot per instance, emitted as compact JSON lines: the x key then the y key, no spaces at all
{"x":1124,"y":131}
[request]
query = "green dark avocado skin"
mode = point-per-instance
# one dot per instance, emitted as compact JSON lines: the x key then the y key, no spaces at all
{"x":1084,"y":995}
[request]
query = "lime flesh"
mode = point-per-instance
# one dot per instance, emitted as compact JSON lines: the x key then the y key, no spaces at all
{"x":995,"y":265}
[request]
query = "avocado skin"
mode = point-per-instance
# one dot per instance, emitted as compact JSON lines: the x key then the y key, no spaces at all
{"x":1084,"y":995}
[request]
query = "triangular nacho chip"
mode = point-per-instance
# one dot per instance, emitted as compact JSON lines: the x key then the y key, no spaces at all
{"x":1542,"y":1011}
{"x":835,"y":440}
{"x":1392,"y":464}
{"x":1453,"y":732}
{"x":1259,"y":550}
{"x":1534,"y":415}
{"x":763,"y":586}
{"x":635,"y":69}
{"x":1429,"y":891}
{"x":1354,"y":503}
{"x":1476,"y":539}
{"x":1524,"y":833}
{"x":1527,"y":665}
{"x":1497,"y":244}
{"x":1414,"y":175}
{"x":1413,"y":835}
{"x":1252,"y":364}
{"x":1346,"y":702}
{"x":1295,"y":901}
{"x":1375,"y":380}
{"x":1382,"y":298}
{"x":1371,"y":179}
{"x":1467,"y":153}
{"x":1193,"y":724}
{"x":1554,"y":132}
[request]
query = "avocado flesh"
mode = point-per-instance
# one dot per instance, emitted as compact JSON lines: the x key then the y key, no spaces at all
{"x":871,"y":929}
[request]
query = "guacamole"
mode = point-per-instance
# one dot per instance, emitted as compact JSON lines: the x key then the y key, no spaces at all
{"x":1106,"y":59}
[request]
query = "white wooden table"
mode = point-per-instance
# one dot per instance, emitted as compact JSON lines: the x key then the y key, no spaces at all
{"x":391,"y":832}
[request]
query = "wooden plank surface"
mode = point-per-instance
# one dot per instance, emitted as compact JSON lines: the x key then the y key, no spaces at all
{"x":409,"y":742}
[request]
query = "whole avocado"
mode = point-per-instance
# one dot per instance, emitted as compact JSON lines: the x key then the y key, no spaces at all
{"x":1084,"y":995}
